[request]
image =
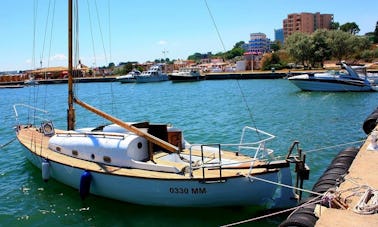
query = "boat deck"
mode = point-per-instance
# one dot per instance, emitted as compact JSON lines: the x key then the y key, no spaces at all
{"x":363,"y":171}
{"x":37,"y":142}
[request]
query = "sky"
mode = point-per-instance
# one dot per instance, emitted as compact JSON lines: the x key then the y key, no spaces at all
{"x":34,"y":32}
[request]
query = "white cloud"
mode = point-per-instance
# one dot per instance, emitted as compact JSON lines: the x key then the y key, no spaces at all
{"x":162,"y":42}
{"x":58,"y":57}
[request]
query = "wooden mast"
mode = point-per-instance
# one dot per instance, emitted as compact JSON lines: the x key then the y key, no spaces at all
{"x":71,"y":109}
{"x":72,"y":99}
{"x":149,"y":137}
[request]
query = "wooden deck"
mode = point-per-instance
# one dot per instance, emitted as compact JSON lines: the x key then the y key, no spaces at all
{"x":363,"y":171}
{"x":37,"y":143}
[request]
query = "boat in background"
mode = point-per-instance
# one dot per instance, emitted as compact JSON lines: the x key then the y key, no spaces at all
{"x":128,"y":78}
{"x":363,"y":73}
{"x":31,"y":81}
{"x":154,"y":74}
{"x":11,"y":86}
{"x":336,"y":81}
{"x":186,"y":74}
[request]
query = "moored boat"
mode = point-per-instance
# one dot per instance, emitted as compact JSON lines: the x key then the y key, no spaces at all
{"x":153,"y":164}
{"x":333,"y":81}
{"x":186,"y":74}
{"x":128,"y":78}
{"x":154,"y":74}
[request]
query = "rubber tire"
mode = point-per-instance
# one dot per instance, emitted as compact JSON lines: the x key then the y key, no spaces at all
{"x":300,"y":220}
{"x":322,"y":188}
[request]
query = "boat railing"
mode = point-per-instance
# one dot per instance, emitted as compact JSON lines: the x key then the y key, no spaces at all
{"x":213,"y":152}
{"x":33,"y":113}
{"x":94,"y":134}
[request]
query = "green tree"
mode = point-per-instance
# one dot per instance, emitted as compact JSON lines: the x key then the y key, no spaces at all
{"x":375,"y":39}
{"x":340,"y":44}
{"x":239,"y":44}
{"x":321,"y":49}
{"x":271,"y":60}
{"x":334,"y":26}
{"x":300,"y":47}
{"x":275,"y":46}
{"x":350,"y":27}
{"x":195,"y":57}
{"x":127,"y":67}
{"x":359,"y":44}
{"x":111,"y":65}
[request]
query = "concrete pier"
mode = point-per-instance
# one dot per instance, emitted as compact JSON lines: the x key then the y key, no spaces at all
{"x":363,"y":171}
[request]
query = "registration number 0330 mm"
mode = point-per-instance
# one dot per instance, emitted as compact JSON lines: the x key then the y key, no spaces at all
{"x":179,"y":190}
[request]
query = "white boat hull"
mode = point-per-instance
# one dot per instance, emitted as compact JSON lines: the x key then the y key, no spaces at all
{"x":312,"y":85}
{"x":147,"y":79}
{"x":163,"y":192}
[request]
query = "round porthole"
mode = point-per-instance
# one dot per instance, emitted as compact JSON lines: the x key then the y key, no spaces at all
{"x":140,"y":145}
{"x":92,"y":156}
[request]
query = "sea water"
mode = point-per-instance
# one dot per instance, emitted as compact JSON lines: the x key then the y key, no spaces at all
{"x":207,"y":112}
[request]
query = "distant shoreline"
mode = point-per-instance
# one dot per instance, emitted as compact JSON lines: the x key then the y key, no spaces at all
{"x":278,"y":74}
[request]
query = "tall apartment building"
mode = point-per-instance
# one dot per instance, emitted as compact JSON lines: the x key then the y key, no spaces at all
{"x":306,"y":22}
{"x":258,"y":43}
{"x":279,"y":35}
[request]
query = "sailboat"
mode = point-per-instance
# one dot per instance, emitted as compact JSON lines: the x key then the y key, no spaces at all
{"x":152,"y":164}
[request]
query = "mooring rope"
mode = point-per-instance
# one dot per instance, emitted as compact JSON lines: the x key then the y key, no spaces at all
{"x":312,"y":201}
{"x":284,"y":185}
{"x":7,"y":143}
{"x":368,"y":202}
{"x":338,"y":145}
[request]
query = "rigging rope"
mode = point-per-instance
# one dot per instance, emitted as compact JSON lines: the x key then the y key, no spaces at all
{"x":101,"y":34}
{"x":50,"y":44}
{"x":237,"y":81}
{"x":91,"y":29}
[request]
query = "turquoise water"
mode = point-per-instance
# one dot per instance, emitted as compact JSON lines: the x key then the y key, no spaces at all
{"x":207,"y":111}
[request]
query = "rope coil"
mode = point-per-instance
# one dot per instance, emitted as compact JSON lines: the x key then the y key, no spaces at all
{"x":368,"y":203}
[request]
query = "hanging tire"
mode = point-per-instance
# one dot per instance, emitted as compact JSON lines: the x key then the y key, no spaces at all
{"x":332,"y":176}
{"x":323,"y":188}
{"x":337,"y":170}
{"x":350,"y":150}
{"x":326,"y":181}
{"x":304,"y":216}
{"x":301,"y":220}
{"x":344,"y":158}
{"x":342,"y":164}
{"x":370,"y":122}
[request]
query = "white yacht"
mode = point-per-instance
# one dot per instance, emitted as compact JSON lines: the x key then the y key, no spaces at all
{"x":128,"y":78}
{"x":186,"y":74}
{"x":333,"y":81}
{"x":154,"y":74}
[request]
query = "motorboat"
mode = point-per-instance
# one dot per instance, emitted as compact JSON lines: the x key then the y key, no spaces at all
{"x":31,"y":81}
{"x":335,"y":81}
{"x":186,"y":74}
{"x":128,"y":78}
{"x":152,"y":164}
{"x":363,"y":73}
{"x":154,"y":74}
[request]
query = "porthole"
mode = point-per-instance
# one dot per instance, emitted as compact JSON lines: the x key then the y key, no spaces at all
{"x":107,"y":159}
{"x":140,"y":145}
{"x":92,"y":156}
{"x":58,"y":149}
{"x":75,"y":153}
